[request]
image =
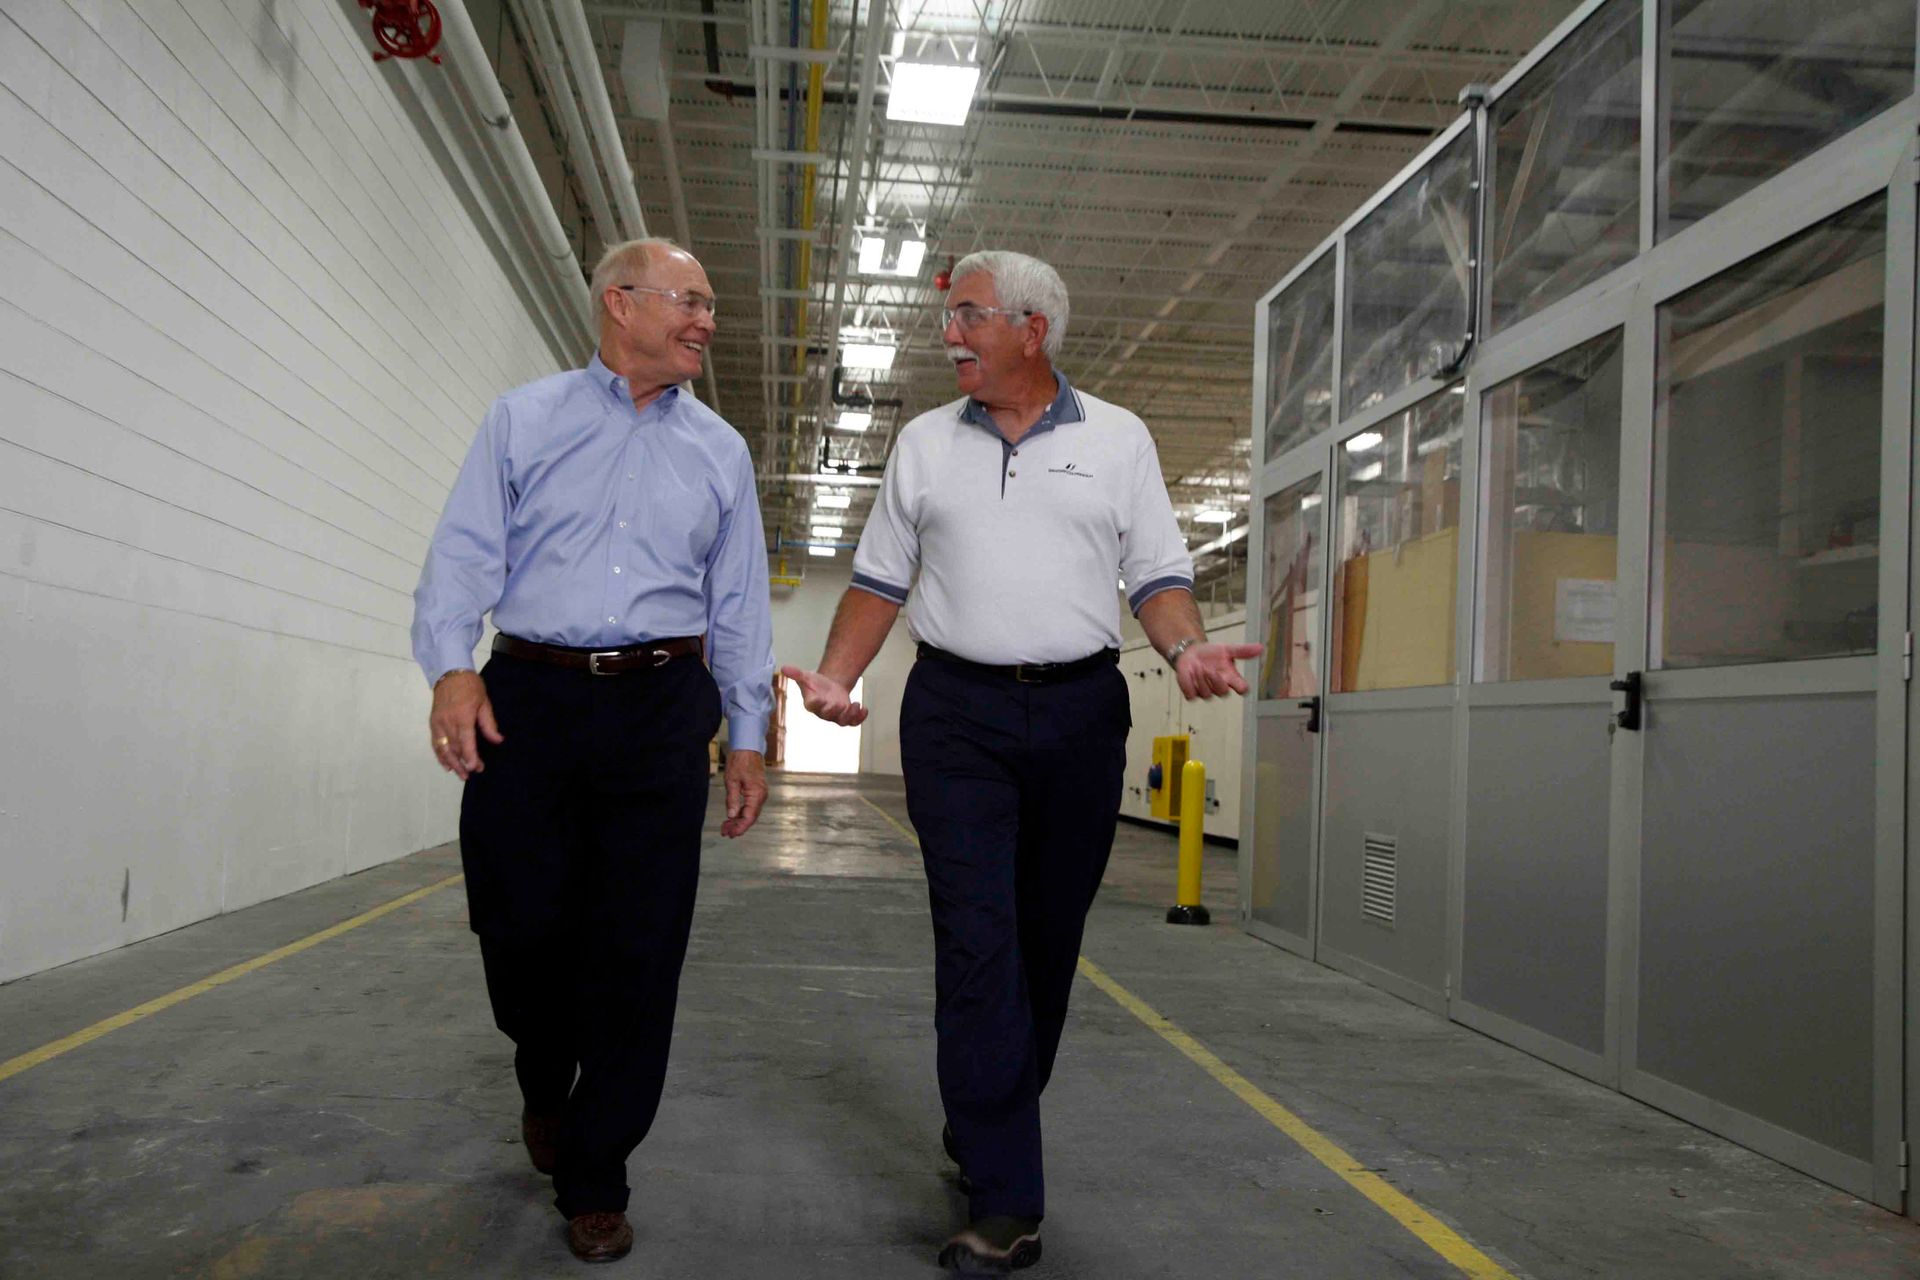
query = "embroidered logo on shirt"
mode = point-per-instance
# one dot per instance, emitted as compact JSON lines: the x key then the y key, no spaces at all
{"x":1071,"y":469}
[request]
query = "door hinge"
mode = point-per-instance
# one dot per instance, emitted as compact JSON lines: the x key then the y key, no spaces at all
{"x":1906,"y":657}
{"x":1903,"y":1166}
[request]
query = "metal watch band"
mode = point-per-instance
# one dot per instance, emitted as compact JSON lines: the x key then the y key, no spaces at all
{"x":1172,"y":655}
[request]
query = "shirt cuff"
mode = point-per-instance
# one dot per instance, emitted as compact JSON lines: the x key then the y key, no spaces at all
{"x":747,"y":733}
{"x":1154,"y":588}
{"x":885,"y":590}
{"x":441,"y":661}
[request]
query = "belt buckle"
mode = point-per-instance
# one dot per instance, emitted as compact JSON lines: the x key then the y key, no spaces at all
{"x":1020,"y":673}
{"x":593,"y":662}
{"x":660,"y":657}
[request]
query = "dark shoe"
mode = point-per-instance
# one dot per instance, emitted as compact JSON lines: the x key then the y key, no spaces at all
{"x":541,"y":1133}
{"x":599,"y":1237}
{"x":993,"y":1246}
{"x":953,"y":1154}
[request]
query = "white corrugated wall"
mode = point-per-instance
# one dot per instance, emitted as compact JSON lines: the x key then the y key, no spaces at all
{"x":248,"y":324}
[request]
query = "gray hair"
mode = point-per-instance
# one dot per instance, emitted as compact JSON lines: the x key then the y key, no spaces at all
{"x":626,"y":263}
{"x":1023,"y":284}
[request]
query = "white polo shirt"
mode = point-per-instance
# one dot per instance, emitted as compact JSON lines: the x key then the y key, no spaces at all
{"x":1008,"y":553}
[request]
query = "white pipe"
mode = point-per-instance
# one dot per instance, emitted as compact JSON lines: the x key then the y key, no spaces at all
{"x":585,"y":61}
{"x":579,"y":148}
{"x":468,"y":57}
{"x":461,"y":135}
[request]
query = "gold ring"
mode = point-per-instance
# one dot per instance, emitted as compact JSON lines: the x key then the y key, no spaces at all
{"x":441,"y":742}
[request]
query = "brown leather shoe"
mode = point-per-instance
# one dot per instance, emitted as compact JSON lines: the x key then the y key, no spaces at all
{"x":599,"y":1237}
{"x":541,"y":1133}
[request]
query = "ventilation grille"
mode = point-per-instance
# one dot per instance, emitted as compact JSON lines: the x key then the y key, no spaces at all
{"x":1379,"y":877}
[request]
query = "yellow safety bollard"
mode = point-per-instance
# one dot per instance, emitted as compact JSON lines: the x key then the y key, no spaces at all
{"x":1193,"y":811}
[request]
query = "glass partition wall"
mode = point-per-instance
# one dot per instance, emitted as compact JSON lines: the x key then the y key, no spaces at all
{"x":1585,"y":456}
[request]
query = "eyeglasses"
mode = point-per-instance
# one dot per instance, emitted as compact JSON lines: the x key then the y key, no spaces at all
{"x":688,"y":301}
{"x":972,"y":315}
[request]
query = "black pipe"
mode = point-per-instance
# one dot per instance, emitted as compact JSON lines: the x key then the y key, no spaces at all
{"x":858,"y":398}
{"x":713,"y":38}
{"x":1090,"y":111}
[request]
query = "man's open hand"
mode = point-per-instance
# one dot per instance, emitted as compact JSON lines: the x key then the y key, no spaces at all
{"x":1207,"y":670}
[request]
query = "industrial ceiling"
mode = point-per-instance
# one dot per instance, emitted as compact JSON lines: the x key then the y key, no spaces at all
{"x":1172,"y":158}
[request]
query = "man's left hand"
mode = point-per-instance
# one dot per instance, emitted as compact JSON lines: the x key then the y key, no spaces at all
{"x":746,"y":791}
{"x":1207,"y":670}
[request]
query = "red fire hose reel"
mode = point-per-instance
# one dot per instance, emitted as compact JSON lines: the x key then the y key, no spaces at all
{"x":405,"y":28}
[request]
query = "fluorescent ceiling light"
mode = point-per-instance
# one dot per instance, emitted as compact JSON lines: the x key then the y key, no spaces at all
{"x":832,"y":501}
{"x":907,"y":260}
{"x":1364,"y":441}
{"x":1214,"y":517}
{"x":825,"y":553}
{"x":867,"y":355}
{"x":828,"y":531}
{"x":932,"y":92}
{"x":853,"y":420}
{"x":1369,"y":472}
{"x":1309,"y":502}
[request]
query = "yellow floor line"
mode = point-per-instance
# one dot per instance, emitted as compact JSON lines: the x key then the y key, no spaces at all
{"x":1435,"y":1234}
{"x":897,"y":824}
{"x":66,"y":1044}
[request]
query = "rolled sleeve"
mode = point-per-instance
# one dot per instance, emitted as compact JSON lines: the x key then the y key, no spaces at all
{"x":888,"y":556}
{"x":740,"y":616}
{"x":466,"y":566}
{"x":1153,"y":555}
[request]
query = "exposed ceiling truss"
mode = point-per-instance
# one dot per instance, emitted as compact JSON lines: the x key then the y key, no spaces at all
{"x":1173,"y":158}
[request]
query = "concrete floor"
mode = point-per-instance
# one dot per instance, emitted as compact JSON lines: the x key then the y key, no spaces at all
{"x":350,"y":1110}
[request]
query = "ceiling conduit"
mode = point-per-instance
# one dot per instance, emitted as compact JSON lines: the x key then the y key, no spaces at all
{"x":585,"y":61}
{"x":579,"y":148}
{"x":471,"y":66}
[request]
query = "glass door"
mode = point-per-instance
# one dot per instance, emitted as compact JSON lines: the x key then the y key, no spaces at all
{"x":1760,"y":971}
{"x":1291,"y":616}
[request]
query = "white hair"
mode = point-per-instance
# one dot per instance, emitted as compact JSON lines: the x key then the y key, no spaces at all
{"x":1023,"y":284}
{"x":626,"y":263}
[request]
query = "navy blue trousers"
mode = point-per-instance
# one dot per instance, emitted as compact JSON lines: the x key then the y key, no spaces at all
{"x":1015,"y":791}
{"x":581,"y":844}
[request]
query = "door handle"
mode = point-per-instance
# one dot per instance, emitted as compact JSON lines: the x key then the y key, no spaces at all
{"x":1628,"y":717}
{"x":1312,"y":707}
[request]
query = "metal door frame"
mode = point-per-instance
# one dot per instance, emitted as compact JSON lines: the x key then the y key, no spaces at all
{"x":1878,"y":158}
{"x":1297,"y":465}
{"x":1597,"y":309}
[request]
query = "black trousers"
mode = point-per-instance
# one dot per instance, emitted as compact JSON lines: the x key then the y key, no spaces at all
{"x":1015,"y":791}
{"x":581,"y":844}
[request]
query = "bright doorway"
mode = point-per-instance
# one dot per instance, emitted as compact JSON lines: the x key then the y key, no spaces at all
{"x":813,"y":745}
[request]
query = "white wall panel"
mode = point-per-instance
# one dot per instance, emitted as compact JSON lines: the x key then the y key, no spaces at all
{"x":248,"y":324}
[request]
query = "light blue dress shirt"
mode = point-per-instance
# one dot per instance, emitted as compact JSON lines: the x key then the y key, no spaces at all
{"x":579,"y":520}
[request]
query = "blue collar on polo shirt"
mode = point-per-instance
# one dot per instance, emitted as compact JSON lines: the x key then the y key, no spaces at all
{"x":1065,"y":408}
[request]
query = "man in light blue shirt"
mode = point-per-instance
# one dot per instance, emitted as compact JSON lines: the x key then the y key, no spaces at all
{"x":609,"y":523}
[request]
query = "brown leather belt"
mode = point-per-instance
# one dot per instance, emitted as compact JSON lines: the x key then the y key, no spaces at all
{"x":601,"y":662}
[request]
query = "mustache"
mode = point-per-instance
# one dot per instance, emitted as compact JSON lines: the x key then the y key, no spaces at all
{"x":960,"y":353}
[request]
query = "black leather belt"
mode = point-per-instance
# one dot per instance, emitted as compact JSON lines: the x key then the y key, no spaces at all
{"x":601,"y":662}
{"x":1029,"y":672}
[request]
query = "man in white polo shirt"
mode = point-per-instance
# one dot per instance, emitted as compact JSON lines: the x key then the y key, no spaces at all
{"x":1001,"y":525}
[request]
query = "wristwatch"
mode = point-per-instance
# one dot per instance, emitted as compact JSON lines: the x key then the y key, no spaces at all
{"x":1172,"y":655}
